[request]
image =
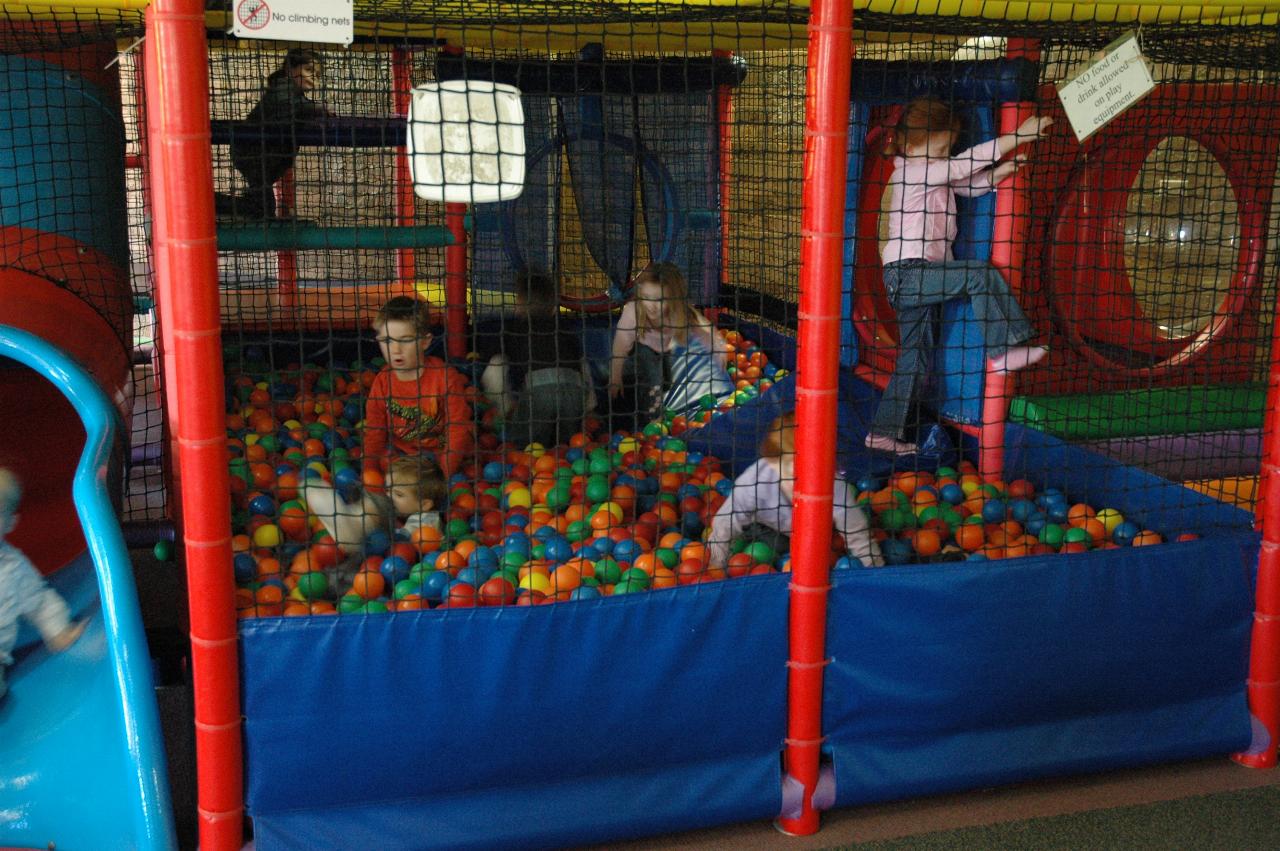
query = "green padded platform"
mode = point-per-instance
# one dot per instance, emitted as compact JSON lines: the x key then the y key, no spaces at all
{"x":1139,"y":413}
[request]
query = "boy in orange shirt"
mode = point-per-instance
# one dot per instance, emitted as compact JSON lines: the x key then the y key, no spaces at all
{"x":417,"y":404}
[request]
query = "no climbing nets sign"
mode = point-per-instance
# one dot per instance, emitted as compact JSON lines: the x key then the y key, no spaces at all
{"x":325,"y":21}
{"x":1117,"y":80}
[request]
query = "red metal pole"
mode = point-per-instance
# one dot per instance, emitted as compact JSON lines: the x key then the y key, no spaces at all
{"x":724,"y":122}
{"x":1264,"y":646}
{"x":287,"y":260}
{"x":455,"y":281}
{"x":187,"y":294}
{"x":1008,"y":254}
{"x":818,"y":364}
{"x":401,"y":83}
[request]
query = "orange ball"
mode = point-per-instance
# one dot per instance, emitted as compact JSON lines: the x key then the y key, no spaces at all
{"x":1147,"y":538}
{"x":427,"y":539}
{"x":1079,"y":513}
{"x":368,"y":584}
{"x":927,"y":542}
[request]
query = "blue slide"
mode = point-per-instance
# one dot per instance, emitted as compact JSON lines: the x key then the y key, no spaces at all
{"x":82,"y":763}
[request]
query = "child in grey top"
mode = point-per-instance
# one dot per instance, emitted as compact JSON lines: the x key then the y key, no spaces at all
{"x":763,"y":494}
{"x":23,"y":592}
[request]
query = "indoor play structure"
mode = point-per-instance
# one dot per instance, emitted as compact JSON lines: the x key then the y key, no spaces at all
{"x":1111,"y":601}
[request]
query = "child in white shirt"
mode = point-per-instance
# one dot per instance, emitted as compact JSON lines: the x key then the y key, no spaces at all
{"x":763,"y":494}
{"x":23,"y":592}
{"x":416,"y":487}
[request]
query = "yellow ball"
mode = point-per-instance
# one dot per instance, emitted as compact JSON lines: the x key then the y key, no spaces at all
{"x":251,"y":438}
{"x":1110,"y":519}
{"x":615,"y":510}
{"x":262,"y":385}
{"x":292,"y":424}
{"x":535,"y":582}
{"x":267,"y":536}
{"x":969,"y":486}
{"x":318,"y":467}
{"x":537,"y":450}
{"x":519,"y":498}
{"x":628,"y":444}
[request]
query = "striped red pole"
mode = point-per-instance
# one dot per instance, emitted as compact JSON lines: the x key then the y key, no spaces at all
{"x":818,"y":364}
{"x":185,"y":248}
{"x":406,"y":211}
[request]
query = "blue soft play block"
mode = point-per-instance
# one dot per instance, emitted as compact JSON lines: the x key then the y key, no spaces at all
{"x":971,"y":674}
{"x":517,"y":727}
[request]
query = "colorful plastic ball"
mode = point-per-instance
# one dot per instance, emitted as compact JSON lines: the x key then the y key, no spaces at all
{"x":1077,"y":535}
{"x":896,"y":551}
{"x":1057,"y":511}
{"x":245,"y":567}
{"x":1020,"y":509}
{"x":267,"y":536}
{"x":1036,"y":522}
{"x":1052,"y":534}
{"x":952,"y":493}
{"x":457,"y":528}
{"x":626,"y":550}
{"x":760,"y":551}
{"x":995,"y":511}
{"x":598,"y":489}
{"x":378,"y":543}
{"x":262,"y":504}
{"x":1125,"y":532}
{"x":394,"y":569}
{"x":494,"y":471}
{"x":585,"y":592}
{"x":558,"y":549}
{"x":1110,"y":519}
{"x":313,"y":585}
{"x":434,"y":586}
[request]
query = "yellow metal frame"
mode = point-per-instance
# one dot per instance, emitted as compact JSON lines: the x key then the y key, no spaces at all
{"x":685,"y":37}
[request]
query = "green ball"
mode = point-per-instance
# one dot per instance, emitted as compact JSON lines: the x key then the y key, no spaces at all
{"x":513,"y":559}
{"x":420,"y":572}
{"x":945,"y":473}
{"x":598,"y":489}
{"x":591,"y":581}
{"x":668,"y":557}
{"x":350,"y":603}
{"x":929,"y":512}
{"x":675,"y":444}
{"x":707,"y":402}
{"x":239,"y":467}
{"x":654,"y":429}
{"x":738,"y":545}
{"x":579,"y":530}
{"x":324,"y":383}
{"x":374,"y":607}
{"x":269,"y":442}
{"x":511,"y":574}
{"x":760,"y":552}
{"x":1077,"y":535}
{"x":456,"y":528}
{"x":950,"y":516}
{"x":558,"y":497}
{"x":313,"y":585}
{"x":1051,"y":534}
{"x":405,"y":587}
{"x":635,"y":576}
{"x":163,"y":550}
{"x":628,"y":586}
{"x":340,"y":453}
{"x":580,"y":467}
{"x":538,"y":551}
{"x":897,"y":519}
{"x":316,"y":430}
{"x":608,"y":571}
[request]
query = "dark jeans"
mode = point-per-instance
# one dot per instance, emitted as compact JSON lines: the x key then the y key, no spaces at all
{"x":915,"y":289}
{"x":550,"y":410}
{"x":259,"y":198}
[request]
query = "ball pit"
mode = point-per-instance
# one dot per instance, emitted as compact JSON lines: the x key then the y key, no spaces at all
{"x":606,"y":515}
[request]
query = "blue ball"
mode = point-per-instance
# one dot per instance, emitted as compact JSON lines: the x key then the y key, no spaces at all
{"x":1057,"y":511}
{"x":626,"y":550}
{"x":545,"y":534}
{"x":952,"y":494}
{"x":330,"y":439}
{"x":995,"y":511}
{"x":625,"y":479}
{"x":1125,"y":532}
{"x":394,"y":569}
{"x":484,"y":558}
{"x":1036,"y":522}
{"x":896,"y":551}
{"x":687,"y":491}
{"x":517,"y":519}
{"x":1021,"y":509}
{"x":558,"y":550}
{"x":282,"y":469}
{"x":769,"y":370}
{"x":433,"y":587}
{"x":516,"y":542}
{"x":691,"y":524}
{"x":474,"y":576}
{"x":346,"y":478}
{"x":694,"y":457}
{"x":584,"y":592}
{"x":976,"y":557}
{"x":377,"y":543}
{"x":262,"y":504}
{"x":351,"y":412}
{"x":574,"y":454}
{"x":494,"y":471}
{"x":603,"y":546}
{"x":724,"y":487}
{"x":245,"y":566}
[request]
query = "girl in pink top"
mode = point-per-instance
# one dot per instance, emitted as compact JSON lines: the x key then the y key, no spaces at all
{"x":678,"y":356}
{"x":919,"y":269}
